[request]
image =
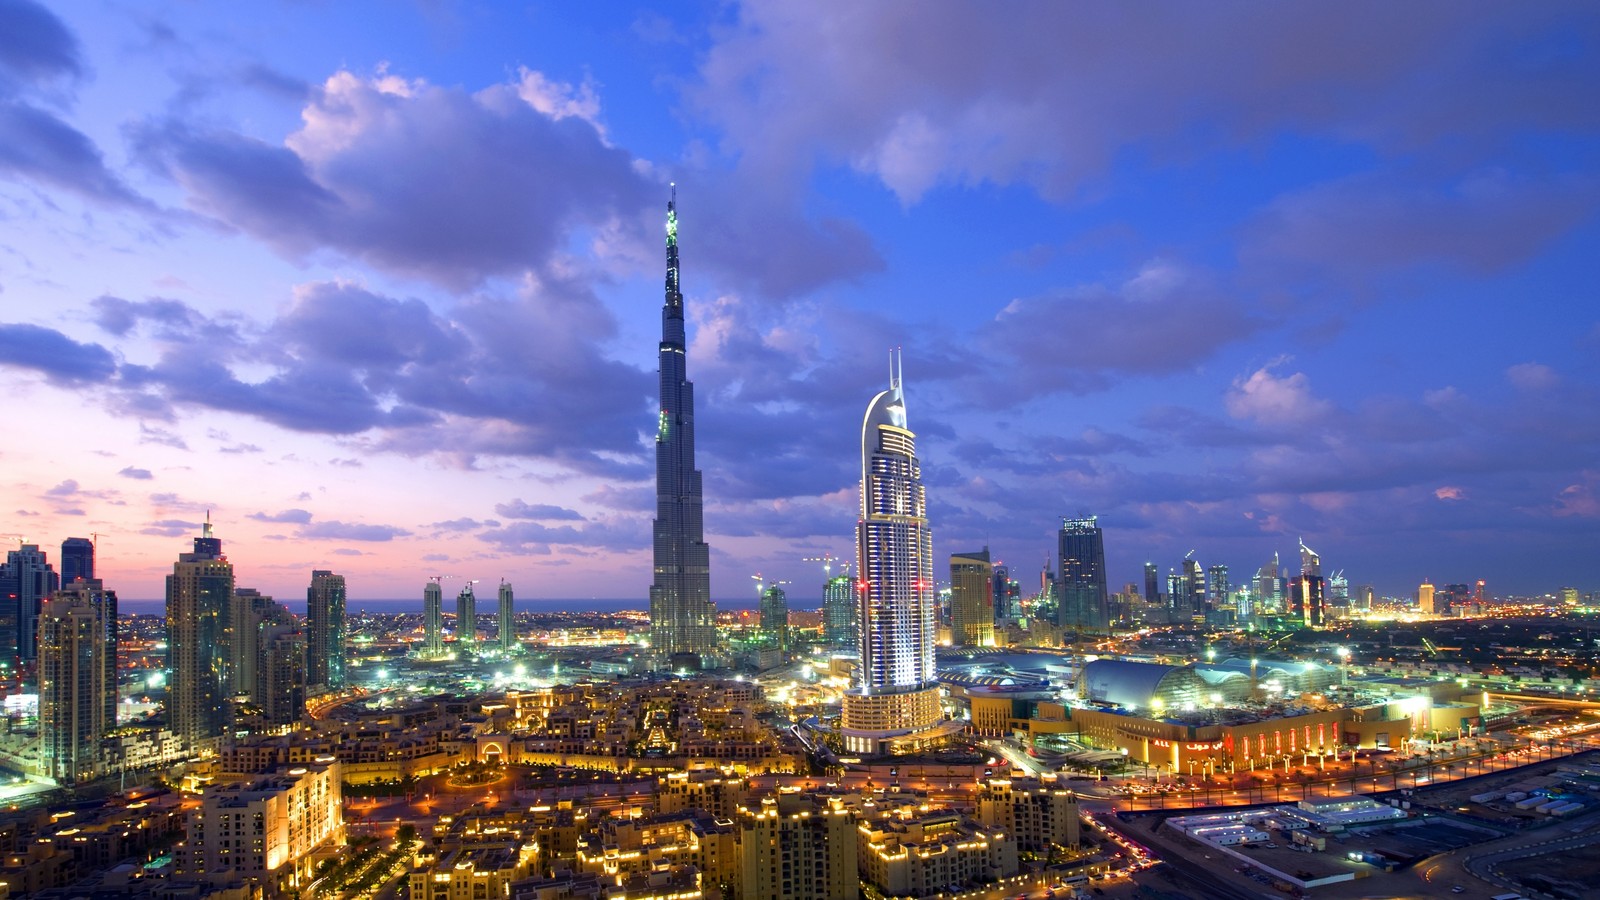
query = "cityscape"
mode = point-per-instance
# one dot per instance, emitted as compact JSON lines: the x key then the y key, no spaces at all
{"x":1087,"y":337}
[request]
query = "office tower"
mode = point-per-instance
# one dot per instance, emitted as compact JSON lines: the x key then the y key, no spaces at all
{"x":1175,"y":596}
{"x":77,"y":679}
{"x":281,"y":666}
{"x":199,"y":641}
{"x":1152,"y":583}
{"x":1425,"y":594}
{"x":896,"y":702}
{"x":250,"y":609}
{"x":506,"y":619}
{"x":972,"y":599}
{"x":432,"y":620}
{"x":1194,"y":587}
{"x":1269,"y":586}
{"x":325,"y":601}
{"x":1306,"y":603}
{"x":1217,"y":585}
{"x":466,"y":621}
{"x":77,"y":560}
{"x":1084,"y":604}
{"x":1338,"y":588}
{"x":775,"y":617}
{"x":683,"y":621}
{"x":839,"y":628}
{"x":1364,"y":596}
{"x":1310,"y":562}
{"x":26,"y":581}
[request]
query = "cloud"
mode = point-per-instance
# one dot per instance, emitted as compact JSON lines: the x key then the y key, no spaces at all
{"x":463,"y":524}
{"x":526,"y":537}
{"x":37,"y":45}
{"x":346,"y":551}
{"x":1267,"y":398}
{"x":64,"y":489}
{"x":170,"y":528}
{"x":517,"y":509}
{"x":294,"y":516}
{"x":351,"y":531}
{"x":1532,"y":377}
{"x":1450,"y":492}
{"x":40,"y":147}
{"x":135,"y":473}
{"x":61,"y":359}
{"x":416,"y":178}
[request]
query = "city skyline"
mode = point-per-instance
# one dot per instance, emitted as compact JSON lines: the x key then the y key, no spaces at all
{"x":1213,"y":313}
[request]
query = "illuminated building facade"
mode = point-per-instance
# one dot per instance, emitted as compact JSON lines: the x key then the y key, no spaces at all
{"x":200,"y":641}
{"x":466,"y":620}
{"x":432,"y":620}
{"x":325,"y":601}
{"x":896,"y":702}
{"x":26,"y":581}
{"x":265,"y":829}
{"x":1306,"y":603}
{"x":683,"y":619}
{"x":775,"y":617}
{"x":839,"y":628}
{"x":972,"y":599}
{"x":1425,"y":598}
{"x":508,"y":627}
{"x":796,"y":848}
{"x":77,"y":679}
{"x":1084,"y":602}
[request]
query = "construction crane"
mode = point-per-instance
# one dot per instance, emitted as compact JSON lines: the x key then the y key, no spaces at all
{"x":828,"y":559}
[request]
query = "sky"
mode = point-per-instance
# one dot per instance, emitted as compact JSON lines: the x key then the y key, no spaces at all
{"x":378,"y":283}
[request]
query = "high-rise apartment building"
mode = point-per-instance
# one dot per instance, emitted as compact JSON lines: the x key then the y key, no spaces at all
{"x":325,"y":602}
{"x":774,"y":612}
{"x":280,"y":668}
{"x":895,"y":703}
{"x":432,"y":620}
{"x":26,"y":581}
{"x":264,"y":830}
{"x":77,"y":679}
{"x":200,"y":642}
{"x":972,"y":599}
{"x":1082,"y":598}
{"x":839,"y":622}
{"x":250,"y":609}
{"x":683,"y":620}
{"x":466,"y":621}
{"x":507,"y":636}
{"x":77,"y":560}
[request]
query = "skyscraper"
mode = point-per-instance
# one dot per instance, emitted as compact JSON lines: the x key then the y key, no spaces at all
{"x":972,"y":599}
{"x":683,"y":620}
{"x":1217,"y":585}
{"x":280,"y":668}
{"x":840,"y":630}
{"x":775,"y":617}
{"x":1152,"y":583}
{"x":1425,"y":601}
{"x":1269,"y":586}
{"x":1306,"y":602}
{"x":466,"y":621}
{"x":325,"y":601}
{"x":251,"y":608}
{"x":77,"y":678}
{"x":432,"y":619}
{"x":77,"y":560}
{"x":1194,"y":587}
{"x":507,"y":637}
{"x":199,"y":641}
{"x":1084,"y":603}
{"x":895,"y":704}
{"x":1310,"y":562}
{"x":26,"y":581}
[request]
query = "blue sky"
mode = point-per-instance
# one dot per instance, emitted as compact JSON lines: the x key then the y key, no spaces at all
{"x":378,"y":284}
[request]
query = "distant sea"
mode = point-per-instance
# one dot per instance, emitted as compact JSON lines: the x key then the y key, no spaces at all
{"x":487,"y":603}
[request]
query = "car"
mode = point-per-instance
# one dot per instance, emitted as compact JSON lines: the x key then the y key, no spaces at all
{"x":1457,"y":889}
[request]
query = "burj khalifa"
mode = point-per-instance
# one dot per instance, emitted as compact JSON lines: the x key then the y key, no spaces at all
{"x":683,"y":631}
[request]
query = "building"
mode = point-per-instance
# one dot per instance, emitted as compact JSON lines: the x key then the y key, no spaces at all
{"x":325,"y":632}
{"x":775,"y":617}
{"x":972,"y":612}
{"x":1307,"y":606}
{"x":683,"y":620}
{"x":200,"y":641}
{"x":896,"y":702}
{"x":473,"y":871}
{"x":1084,"y":604}
{"x":77,"y":560}
{"x":466,"y":621}
{"x":1218,"y":587}
{"x":1039,"y":815}
{"x":1152,"y":583}
{"x":1194,"y":588}
{"x":839,"y":621}
{"x":1269,"y":586}
{"x":1425,"y":599}
{"x":264,"y":830}
{"x":915,"y":853}
{"x":432,"y":619}
{"x":1310,"y":562}
{"x":507,"y":635}
{"x":281,"y":667}
{"x":795,"y":847}
{"x":26,"y":581}
{"x":77,"y":679}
